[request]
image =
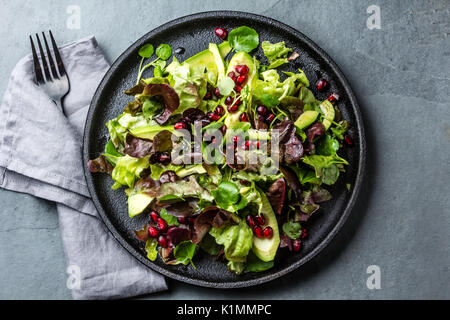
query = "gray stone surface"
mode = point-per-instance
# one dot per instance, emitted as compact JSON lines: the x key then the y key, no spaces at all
{"x":400,"y":74}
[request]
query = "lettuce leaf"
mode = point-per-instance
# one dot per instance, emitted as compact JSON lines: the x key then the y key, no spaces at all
{"x":276,"y":53}
{"x":236,"y":239}
{"x":128,"y":170}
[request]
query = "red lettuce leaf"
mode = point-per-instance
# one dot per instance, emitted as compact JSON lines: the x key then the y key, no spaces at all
{"x":137,"y":147}
{"x":100,"y":165}
{"x":169,"y":95}
{"x":276,"y":195}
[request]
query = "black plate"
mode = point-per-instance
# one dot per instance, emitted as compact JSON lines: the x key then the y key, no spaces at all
{"x":193,"y":33}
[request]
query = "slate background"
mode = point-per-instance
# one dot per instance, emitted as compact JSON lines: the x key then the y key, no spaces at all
{"x":400,"y":74}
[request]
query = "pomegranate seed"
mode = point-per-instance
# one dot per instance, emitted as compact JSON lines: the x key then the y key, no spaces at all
{"x":247,"y":145}
{"x":270,"y":118}
{"x":251,"y":221}
{"x":238,"y":102}
{"x":154,"y":215}
{"x":223,"y":129}
{"x":296,"y":245}
{"x":217,"y":92}
{"x":183,"y":220}
{"x":232,"y":75}
{"x":222,"y":33}
{"x":243,"y":117}
{"x":240,"y":80}
{"x":256,"y":143}
{"x":261,"y":110}
{"x":229,"y":100}
{"x":233,"y":108}
{"x":162,"y":224}
{"x":258,"y":231}
{"x":237,"y":88}
{"x":260,"y":220}
{"x":207,"y":96}
{"x":333,"y":98}
{"x":180,"y":125}
{"x":220,"y":110}
{"x":164,"y":158}
{"x":348,"y":140}
{"x":213,"y":116}
{"x":268,"y":232}
{"x":242,"y":69}
{"x":162,"y":241}
{"x":304,"y":234}
{"x":153,"y":232}
{"x":322,"y":84}
{"x":236,"y":139}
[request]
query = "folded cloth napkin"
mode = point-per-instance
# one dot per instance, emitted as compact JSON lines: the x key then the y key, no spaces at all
{"x":40,"y":154}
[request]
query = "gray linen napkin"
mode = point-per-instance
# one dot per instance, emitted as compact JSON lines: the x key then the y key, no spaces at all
{"x":40,"y":154}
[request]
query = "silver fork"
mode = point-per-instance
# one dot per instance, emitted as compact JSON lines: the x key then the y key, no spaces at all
{"x":56,"y":86}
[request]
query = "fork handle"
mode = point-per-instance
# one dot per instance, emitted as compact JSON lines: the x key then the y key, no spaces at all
{"x":59,"y":104}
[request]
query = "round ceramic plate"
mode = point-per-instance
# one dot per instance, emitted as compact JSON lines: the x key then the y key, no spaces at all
{"x":193,"y":33}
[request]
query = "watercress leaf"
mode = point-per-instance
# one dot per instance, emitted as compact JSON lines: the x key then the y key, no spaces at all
{"x":146,"y":51}
{"x":327,"y":146}
{"x":292,"y":229}
{"x":164,"y":51}
{"x":226,"y":86}
{"x":226,"y":194}
{"x":184,"y":252}
{"x":243,"y":39}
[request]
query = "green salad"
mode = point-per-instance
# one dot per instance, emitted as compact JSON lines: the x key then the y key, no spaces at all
{"x":223,"y":153}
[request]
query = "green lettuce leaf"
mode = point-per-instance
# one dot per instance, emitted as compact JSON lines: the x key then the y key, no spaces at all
{"x":276,"y":53}
{"x":150,"y":248}
{"x":236,"y":239}
{"x":128,"y":170}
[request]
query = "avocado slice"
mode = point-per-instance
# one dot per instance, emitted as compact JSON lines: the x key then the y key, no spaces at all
{"x":243,"y":58}
{"x":327,"y":109}
{"x":219,"y":60}
{"x":198,"y":169}
{"x":266,"y":249}
{"x":224,"y":49}
{"x":306,"y":119}
{"x":137,"y":203}
{"x":206,"y":59}
{"x":149,"y":132}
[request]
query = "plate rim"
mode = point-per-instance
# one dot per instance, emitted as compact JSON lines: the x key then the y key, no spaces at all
{"x":349,"y":204}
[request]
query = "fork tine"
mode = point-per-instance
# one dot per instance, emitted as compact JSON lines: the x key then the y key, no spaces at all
{"x":62,"y":70}
{"x":44,"y":60}
{"x":37,"y":65}
{"x":50,"y":58}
